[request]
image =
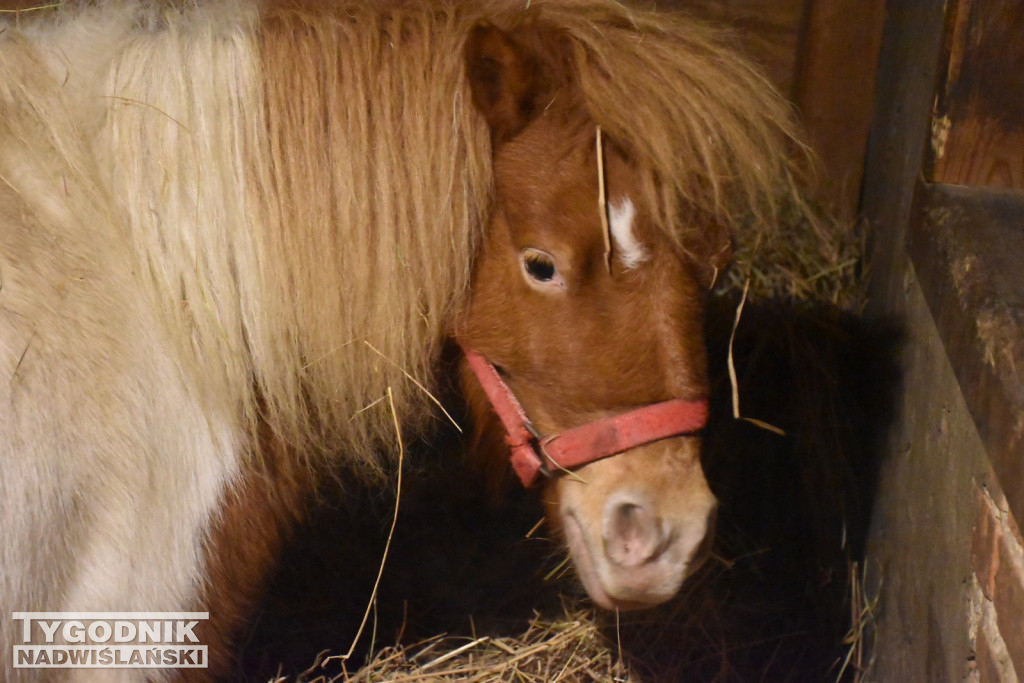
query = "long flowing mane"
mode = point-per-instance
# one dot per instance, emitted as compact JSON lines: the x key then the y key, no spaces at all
{"x":299,"y":188}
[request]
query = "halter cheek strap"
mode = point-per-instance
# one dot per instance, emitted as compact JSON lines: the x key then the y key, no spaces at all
{"x":533,"y":454}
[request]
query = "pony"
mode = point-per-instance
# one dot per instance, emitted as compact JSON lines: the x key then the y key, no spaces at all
{"x":236,"y":236}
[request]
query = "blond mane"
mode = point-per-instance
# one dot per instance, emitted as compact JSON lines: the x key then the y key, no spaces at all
{"x":708,"y":134}
{"x":301,"y":186}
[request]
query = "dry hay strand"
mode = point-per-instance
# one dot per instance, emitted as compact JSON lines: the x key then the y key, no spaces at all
{"x":567,"y":648}
{"x":860,"y":639}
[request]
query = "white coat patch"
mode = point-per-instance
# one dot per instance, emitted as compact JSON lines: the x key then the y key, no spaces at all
{"x":621,"y":215}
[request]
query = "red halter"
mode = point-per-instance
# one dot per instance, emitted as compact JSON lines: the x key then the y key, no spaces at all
{"x":533,"y":454}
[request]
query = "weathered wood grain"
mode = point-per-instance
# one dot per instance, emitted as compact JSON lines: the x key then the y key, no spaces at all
{"x":978,"y":124}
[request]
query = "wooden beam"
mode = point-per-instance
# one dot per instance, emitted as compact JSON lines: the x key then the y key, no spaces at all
{"x":834,"y":89}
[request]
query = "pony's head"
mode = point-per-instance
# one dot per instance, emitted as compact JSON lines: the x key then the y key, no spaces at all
{"x":585,"y":318}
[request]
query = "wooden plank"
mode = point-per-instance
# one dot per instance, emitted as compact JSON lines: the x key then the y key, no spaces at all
{"x":978,"y":122}
{"x":967,"y":248}
{"x":834,"y":89}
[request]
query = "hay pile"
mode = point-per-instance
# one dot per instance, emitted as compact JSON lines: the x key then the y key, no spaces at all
{"x":567,"y":649}
{"x":806,"y":262}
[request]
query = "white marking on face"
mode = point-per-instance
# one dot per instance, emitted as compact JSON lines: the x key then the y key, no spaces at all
{"x":621,"y":215}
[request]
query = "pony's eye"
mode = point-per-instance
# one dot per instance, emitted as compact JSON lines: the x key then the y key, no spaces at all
{"x":539,"y":265}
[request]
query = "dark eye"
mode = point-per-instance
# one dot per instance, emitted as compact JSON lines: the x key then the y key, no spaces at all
{"x":538,"y":265}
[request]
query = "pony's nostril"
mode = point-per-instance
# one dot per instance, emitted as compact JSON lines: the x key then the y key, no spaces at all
{"x":631,"y":534}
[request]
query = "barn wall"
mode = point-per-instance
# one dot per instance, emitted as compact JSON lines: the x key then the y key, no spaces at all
{"x":920,"y":546}
{"x":943,"y":195}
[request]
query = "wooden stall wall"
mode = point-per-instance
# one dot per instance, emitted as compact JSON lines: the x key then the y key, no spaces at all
{"x":944,"y":191}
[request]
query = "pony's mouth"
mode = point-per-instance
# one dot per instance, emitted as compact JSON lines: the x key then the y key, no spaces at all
{"x":615,"y":588}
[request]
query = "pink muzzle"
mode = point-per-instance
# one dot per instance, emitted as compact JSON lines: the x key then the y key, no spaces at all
{"x":534,"y":454}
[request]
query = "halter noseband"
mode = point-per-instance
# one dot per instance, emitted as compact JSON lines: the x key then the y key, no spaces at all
{"x":533,"y":454}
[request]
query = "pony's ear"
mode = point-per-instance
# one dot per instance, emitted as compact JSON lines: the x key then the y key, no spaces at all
{"x":505,"y":79}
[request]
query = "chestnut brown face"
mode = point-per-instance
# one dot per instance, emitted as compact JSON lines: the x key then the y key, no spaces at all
{"x":586,"y":321}
{"x":579,"y":339}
